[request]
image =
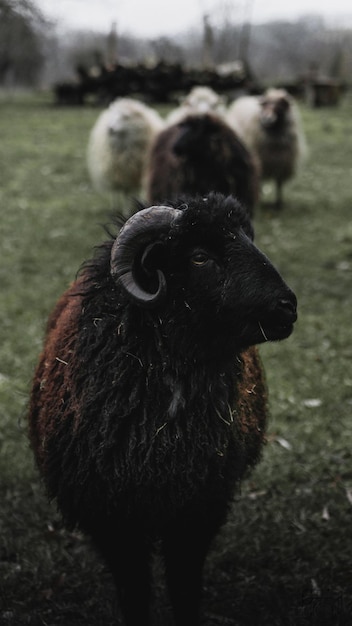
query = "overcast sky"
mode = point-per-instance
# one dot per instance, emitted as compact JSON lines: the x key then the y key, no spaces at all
{"x":151,"y":18}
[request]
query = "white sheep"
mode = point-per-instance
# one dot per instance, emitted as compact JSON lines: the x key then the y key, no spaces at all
{"x":119,"y":143}
{"x":270,"y":125}
{"x":201,"y":99}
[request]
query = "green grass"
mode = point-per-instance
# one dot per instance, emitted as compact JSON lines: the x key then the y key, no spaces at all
{"x":285,"y":556}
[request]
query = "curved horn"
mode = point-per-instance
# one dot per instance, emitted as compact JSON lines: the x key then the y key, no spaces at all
{"x":140,"y":230}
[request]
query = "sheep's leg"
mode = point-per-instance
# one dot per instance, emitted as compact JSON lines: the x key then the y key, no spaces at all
{"x":185,"y":549}
{"x":128,"y":558}
{"x":132,"y":580}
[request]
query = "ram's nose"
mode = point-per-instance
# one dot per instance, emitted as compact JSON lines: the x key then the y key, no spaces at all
{"x":286,"y":309}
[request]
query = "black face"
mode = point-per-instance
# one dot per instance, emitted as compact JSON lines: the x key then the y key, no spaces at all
{"x":244,"y":291}
{"x":224,"y":280}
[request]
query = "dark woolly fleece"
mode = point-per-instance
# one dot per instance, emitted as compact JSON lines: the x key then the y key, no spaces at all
{"x":125,"y":414}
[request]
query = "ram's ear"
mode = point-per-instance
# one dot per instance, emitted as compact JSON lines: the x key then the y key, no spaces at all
{"x":135,"y":251}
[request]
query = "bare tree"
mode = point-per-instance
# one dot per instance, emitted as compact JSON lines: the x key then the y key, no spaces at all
{"x":21,"y":32}
{"x":112,"y":45}
{"x":245,"y":34}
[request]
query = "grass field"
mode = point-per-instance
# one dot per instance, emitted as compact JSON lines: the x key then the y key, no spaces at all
{"x":285,"y":556}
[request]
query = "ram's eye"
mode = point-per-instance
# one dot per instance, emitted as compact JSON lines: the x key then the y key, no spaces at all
{"x":199,"y":258}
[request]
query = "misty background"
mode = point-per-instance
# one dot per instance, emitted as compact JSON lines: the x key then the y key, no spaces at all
{"x":35,"y":52}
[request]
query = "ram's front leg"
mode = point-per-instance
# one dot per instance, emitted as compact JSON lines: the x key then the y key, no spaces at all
{"x":185,"y":548}
{"x":127,"y":555}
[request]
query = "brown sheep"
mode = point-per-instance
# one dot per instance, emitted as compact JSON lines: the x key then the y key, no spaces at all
{"x":271,"y":128}
{"x":199,"y":154}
